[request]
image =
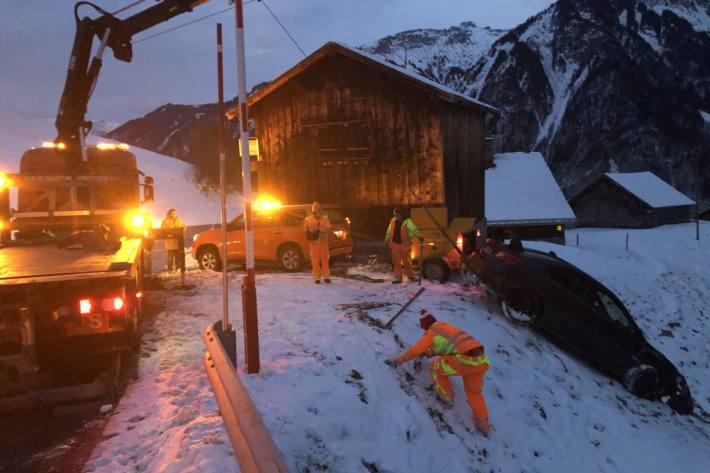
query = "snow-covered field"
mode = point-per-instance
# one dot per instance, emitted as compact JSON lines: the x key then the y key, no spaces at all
{"x":333,"y":405}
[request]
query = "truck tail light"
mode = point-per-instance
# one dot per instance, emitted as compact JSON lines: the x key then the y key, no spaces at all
{"x":85,"y":306}
{"x":113,"y":304}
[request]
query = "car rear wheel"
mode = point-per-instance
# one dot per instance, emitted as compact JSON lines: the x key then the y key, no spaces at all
{"x":643,"y":381}
{"x":522,"y":308}
{"x":208,"y":258}
{"x":436,"y":270}
{"x":290,"y":258}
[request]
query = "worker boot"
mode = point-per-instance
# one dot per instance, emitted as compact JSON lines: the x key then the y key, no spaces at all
{"x":483,"y":426}
{"x":444,"y":403}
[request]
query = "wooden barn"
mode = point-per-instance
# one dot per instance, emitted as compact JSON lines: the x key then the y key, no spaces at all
{"x":348,"y":128}
{"x":635,"y":200}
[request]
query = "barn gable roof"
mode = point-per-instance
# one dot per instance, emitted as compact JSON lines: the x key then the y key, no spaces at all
{"x":441,"y":91}
{"x":650,"y":189}
{"x":520,"y":189}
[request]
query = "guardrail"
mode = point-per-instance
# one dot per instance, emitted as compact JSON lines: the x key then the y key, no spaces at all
{"x":253,"y":446}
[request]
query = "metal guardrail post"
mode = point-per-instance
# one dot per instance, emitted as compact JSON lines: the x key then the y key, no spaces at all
{"x":251,"y":441}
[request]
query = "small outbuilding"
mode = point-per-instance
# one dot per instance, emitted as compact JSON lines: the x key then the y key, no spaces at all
{"x":632,"y":200}
{"x":351,"y":129}
{"x":523,"y":196}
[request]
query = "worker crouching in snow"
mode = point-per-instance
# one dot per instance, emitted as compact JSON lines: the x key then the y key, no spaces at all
{"x":317,"y":227}
{"x":458,"y":354}
{"x":398,"y":239}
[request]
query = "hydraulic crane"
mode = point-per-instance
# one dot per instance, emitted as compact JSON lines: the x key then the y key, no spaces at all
{"x":83,"y":71}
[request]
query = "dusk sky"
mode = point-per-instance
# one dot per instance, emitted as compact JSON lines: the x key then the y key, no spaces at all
{"x":179,"y":67}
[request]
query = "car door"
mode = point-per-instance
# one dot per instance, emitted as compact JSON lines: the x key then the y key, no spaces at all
{"x":267,"y":232}
{"x":563,"y":305}
{"x":593,"y":322}
{"x":235,"y":238}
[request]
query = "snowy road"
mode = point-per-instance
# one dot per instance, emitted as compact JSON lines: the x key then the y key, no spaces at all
{"x":333,"y":405}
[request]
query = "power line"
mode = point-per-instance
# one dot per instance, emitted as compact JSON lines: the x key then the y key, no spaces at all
{"x":169,"y":30}
{"x":130,"y":5}
{"x":283,"y":27}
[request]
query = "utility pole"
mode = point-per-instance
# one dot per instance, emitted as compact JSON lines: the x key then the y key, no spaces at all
{"x":227,"y":336}
{"x":249,"y":310}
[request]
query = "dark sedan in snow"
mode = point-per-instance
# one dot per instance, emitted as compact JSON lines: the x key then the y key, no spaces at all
{"x":543,"y":291}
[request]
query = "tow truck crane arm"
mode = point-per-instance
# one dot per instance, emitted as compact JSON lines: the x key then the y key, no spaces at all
{"x":116,"y":34}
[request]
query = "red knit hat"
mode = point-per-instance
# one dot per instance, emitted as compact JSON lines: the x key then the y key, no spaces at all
{"x":426,"y":320}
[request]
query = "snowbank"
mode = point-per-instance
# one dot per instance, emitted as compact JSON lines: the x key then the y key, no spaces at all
{"x":333,"y":405}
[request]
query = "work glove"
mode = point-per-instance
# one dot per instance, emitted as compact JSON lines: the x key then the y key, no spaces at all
{"x":391,"y":362}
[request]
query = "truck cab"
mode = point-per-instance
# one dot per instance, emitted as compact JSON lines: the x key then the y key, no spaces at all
{"x":104,"y":190}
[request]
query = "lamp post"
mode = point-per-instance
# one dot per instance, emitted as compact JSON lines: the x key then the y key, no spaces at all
{"x":249,"y":309}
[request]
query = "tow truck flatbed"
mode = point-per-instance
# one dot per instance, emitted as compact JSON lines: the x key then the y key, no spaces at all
{"x":47,"y":263}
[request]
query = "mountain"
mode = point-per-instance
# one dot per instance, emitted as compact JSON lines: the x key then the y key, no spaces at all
{"x":441,"y":55}
{"x":594,"y":85}
{"x":187,"y":132}
{"x":599,"y":85}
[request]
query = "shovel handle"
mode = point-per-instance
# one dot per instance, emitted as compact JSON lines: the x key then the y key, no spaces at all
{"x":404,"y":307}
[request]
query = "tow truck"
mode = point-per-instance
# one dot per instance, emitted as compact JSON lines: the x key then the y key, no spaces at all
{"x":72,"y":251}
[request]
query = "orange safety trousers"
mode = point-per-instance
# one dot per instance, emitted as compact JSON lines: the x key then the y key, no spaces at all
{"x":451,"y":365}
{"x":320,"y":254}
{"x":400,"y":258}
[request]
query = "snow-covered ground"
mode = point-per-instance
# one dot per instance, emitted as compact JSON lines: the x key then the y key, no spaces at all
{"x":333,"y":405}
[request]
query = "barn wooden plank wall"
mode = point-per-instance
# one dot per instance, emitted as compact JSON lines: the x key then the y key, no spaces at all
{"x":346,"y":133}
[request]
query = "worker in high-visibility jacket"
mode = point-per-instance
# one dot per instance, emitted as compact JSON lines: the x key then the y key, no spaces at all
{"x":317,"y":227}
{"x":458,"y":354}
{"x":398,"y":239}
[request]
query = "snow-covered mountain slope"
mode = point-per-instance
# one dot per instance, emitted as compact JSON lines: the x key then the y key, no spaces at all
{"x":590,"y":81}
{"x":441,"y":55}
{"x":333,"y":405}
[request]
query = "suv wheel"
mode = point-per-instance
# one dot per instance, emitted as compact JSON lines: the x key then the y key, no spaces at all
{"x":436,"y":270}
{"x":208,"y":258}
{"x":290,"y":258}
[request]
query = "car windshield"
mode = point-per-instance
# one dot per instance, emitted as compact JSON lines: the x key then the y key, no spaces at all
{"x":335,"y":216}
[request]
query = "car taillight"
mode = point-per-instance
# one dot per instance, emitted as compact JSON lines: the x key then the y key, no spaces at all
{"x":85,"y":306}
{"x":508,"y":258}
{"x":459,"y":241}
{"x":340,"y":234}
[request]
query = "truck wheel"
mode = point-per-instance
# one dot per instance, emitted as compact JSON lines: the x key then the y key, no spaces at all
{"x":208,"y":258}
{"x":290,"y":258}
{"x":436,"y":269}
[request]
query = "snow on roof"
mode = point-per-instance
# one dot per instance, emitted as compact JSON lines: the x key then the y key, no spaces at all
{"x":521,"y":188}
{"x":650,"y":188}
{"x":442,"y":90}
